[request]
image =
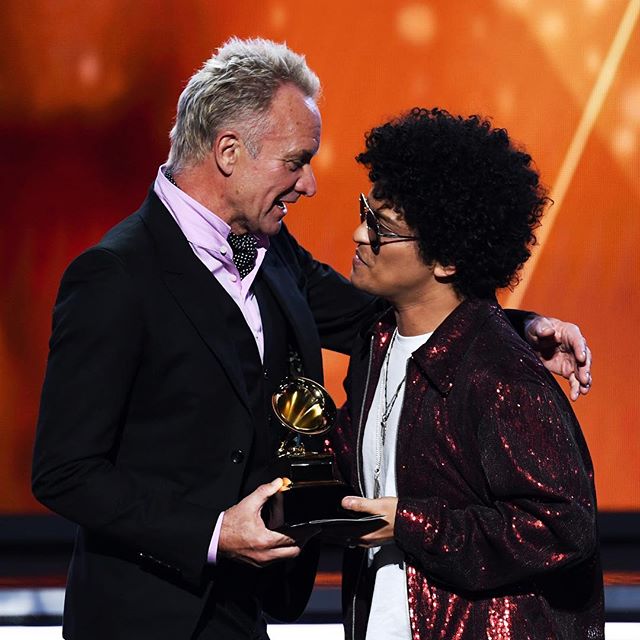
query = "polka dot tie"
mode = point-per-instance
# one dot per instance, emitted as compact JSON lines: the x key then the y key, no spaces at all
{"x":245,"y":252}
{"x":245,"y":247}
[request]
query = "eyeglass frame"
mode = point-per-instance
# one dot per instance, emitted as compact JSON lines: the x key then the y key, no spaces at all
{"x":373,"y":227}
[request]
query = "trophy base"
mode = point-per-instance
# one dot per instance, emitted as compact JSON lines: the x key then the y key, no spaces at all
{"x":305,"y":502}
{"x":309,"y":467}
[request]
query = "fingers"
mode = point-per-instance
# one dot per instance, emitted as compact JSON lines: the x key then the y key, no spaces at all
{"x":574,"y":387}
{"x":363,"y":505}
{"x":582,"y":355}
{"x":354,"y":503}
{"x":244,"y":537}
{"x":579,"y":386}
{"x":572,"y":338}
{"x":275,"y":555}
{"x":251,"y":542}
{"x":542,"y":327}
{"x":583,"y":368}
{"x":258,"y":559}
{"x":585,"y":386}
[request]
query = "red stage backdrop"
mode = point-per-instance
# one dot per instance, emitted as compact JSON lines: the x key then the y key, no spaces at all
{"x":87,"y":95}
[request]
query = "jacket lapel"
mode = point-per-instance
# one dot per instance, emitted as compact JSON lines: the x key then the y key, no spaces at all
{"x":201,"y":297}
{"x":297,"y":312}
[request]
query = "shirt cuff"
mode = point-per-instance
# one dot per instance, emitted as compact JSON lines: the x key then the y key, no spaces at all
{"x":212,"y":554}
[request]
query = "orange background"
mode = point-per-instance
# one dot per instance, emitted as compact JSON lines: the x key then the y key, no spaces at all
{"x":88,"y":92}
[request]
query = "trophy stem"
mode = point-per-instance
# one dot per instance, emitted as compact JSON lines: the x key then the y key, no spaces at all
{"x":291,"y":446}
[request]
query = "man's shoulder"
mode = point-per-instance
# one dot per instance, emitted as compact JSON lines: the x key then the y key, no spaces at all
{"x":132,"y":233}
{"x":130,"y":239}
{"x":127,"y":246}
{"x":500,"y":371}
{"x":123,"y":236}
{"x":504,"y":372}
{"x":498,"y":352}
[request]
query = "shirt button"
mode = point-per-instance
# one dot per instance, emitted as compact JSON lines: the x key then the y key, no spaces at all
{"x":233,"y":278}
{"x":237,"y":456}
{"x":223,"y":250}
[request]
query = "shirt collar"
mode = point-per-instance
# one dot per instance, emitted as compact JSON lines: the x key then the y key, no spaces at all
{"x":441,"y":357}
{"x":199,"y":224}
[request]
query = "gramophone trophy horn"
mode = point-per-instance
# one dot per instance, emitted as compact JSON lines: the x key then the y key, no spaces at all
{"x":305,"y":408}
{"x":312,"y":492}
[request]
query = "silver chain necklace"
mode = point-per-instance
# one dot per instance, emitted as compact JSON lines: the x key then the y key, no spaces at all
{"x":385,"y":407}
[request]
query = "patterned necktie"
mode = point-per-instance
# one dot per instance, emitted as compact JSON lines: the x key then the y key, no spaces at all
{"x":245,"y":247}
{"x":245,"y":251}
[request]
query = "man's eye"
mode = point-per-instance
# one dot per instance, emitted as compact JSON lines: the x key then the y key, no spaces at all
{"x":382,"y":225}
{"x":294,"y":165}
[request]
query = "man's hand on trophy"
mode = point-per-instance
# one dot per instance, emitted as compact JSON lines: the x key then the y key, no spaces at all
{"x":244,"y":536}
{"x":383,"y":533}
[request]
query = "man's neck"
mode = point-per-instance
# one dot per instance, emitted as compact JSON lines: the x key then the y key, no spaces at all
{"x":199,"y":183}
{"x":422,"y":316}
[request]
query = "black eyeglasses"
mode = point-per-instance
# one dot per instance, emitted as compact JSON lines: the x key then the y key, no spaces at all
{"x":373,"y":227}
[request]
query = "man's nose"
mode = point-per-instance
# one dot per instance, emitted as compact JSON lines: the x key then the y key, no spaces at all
{"x":361,"y":234}
{"x":306,"y":184}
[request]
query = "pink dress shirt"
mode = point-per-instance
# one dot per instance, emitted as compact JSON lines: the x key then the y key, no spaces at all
{"x":207,"y":237}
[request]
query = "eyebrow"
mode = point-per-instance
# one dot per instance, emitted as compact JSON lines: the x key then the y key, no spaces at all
{"x":305,"y":156}
{"x":385,"y":221}
{"x":382,"y":217}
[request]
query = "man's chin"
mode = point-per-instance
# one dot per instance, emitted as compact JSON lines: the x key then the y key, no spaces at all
{"x":271,"y":229}
{"x":358,"y":282}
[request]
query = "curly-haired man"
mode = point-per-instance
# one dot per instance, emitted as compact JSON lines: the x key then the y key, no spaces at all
{"x":452,"y":429}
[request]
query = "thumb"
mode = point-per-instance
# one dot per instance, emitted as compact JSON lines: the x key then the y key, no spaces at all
{"x":353,"y":503}
{"x":265,"y":491}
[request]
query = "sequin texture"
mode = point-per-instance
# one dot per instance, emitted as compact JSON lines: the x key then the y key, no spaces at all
{"x":496,"y":510}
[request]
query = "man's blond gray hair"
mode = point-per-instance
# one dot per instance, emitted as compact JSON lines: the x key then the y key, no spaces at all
{"x":235,"y":88}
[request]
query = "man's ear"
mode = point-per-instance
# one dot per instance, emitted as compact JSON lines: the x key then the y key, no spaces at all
{"x":226,"y":150}
{"x":443,"y":272}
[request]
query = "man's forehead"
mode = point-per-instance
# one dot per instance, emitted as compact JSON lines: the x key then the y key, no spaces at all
{"x":295,"y":139}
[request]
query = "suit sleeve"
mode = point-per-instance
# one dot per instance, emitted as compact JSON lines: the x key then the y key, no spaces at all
{"x":338,"y":308}
{"x":95,"y":350}
{"x":517,"y":318}
{"x":542,"y":517}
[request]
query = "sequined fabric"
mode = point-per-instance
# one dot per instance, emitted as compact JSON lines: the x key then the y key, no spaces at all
{"x":496,"y":513}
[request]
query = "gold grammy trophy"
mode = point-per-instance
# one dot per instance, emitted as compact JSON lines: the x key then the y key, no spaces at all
{"x":311,"y":492}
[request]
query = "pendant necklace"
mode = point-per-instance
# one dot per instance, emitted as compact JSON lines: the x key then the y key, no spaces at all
{"x":385,"y":407}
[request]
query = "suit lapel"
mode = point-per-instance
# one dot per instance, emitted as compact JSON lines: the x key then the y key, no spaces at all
{"x":297,"y":312}
{"x":201,"y":297}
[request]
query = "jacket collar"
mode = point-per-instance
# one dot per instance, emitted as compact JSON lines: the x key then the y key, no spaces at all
{"x":296,"y":310}
{"x":202,"y":297}
{"x":443,"y":354}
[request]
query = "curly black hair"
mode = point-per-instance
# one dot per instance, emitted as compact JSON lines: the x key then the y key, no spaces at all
{"x":470,"y":195}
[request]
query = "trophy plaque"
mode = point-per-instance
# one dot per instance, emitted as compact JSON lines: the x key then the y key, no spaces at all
{"x":311,"y":493}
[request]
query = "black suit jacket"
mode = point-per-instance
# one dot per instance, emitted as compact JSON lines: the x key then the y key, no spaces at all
{"x":146,"y":431}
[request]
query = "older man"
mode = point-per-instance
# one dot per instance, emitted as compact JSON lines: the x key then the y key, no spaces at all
{"x":169,"y":337}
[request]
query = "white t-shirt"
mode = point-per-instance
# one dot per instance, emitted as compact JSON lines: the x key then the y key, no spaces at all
{"x":389,"y":616}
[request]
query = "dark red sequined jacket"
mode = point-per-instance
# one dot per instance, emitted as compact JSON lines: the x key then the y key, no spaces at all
{"x":497,"y":510}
